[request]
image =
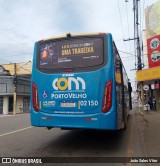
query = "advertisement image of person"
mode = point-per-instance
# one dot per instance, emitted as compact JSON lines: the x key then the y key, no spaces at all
{"x":44,"y":57}
{"x":44,"y":54}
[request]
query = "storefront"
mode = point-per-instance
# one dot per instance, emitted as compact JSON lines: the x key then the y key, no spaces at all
{"x":150,"y":77}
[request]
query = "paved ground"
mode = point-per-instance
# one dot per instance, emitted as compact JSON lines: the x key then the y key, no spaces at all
{"x":150,"y":128}
{"x":140,"y":139}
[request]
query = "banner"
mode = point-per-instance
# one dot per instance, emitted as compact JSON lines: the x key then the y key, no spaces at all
{"x":152,"y":17}
{"x":153,"y":47}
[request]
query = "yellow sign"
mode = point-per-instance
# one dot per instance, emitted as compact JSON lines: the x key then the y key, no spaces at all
{"x":148,"y":74}
{"x":73,"y":51}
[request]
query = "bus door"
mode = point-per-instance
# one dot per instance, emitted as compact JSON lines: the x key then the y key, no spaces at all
{"x":119,"y":87}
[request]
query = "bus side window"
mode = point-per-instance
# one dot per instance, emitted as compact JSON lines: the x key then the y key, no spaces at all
{"x":117,"y":65}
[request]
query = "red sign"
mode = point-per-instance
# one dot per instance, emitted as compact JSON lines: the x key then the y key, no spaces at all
{"x":153,"y":46}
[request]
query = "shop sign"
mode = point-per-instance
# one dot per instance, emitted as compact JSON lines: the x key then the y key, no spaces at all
{"x":146,"y":87}
{"x":157,"y":86}
{"x":148,"y":74}
{"x":152,"y":86}
{"x":153,"y":46}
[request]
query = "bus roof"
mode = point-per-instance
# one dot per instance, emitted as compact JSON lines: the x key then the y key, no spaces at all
{"x":78,"y":34}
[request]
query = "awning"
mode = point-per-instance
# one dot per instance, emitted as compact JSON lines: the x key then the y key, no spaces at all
{"x":148,"y":74}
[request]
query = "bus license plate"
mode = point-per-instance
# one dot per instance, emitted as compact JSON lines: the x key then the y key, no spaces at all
{"x":68,"y":104}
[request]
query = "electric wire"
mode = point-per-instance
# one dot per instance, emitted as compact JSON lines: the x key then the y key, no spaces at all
{"x":128,"y":24}
{"x":23,"y":65}
{"x":121,"y":23}
{"x":122,"y":28}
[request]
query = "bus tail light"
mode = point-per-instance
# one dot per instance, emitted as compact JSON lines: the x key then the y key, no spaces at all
{"x":107,"y":98}
{"x":35,"y":97}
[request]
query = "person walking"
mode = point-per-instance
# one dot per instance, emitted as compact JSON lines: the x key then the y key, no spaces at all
{"x":154,"y":103}
{"x":150,"y":103}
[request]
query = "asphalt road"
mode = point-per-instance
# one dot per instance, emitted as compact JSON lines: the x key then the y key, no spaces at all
{"x":19,"y":139}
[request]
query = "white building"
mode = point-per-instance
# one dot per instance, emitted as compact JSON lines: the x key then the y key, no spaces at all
{"x":15,"y":87}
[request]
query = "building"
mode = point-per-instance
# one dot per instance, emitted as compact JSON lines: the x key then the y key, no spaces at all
{"x":149,"y":78}
{"x":15,"y":87}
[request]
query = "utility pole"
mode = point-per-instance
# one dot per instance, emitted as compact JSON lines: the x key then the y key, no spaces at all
{"x":138,"y":47}
{"x":136,"y":9}
{"x":15,"y":94}
{"x":136,"y":34}
{"x":137,"y":43}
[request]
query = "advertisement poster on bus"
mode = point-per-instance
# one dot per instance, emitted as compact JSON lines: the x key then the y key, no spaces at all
{"x":68,"y":53}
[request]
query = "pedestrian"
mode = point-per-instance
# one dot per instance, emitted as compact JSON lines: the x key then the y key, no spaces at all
{"x":154,"y":103}
{"x":150,"y":103}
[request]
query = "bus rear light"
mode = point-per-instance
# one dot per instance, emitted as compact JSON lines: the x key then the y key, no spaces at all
{"x":35,"y":97}
{"x":88,"y":118}
{"x":107,"y":98}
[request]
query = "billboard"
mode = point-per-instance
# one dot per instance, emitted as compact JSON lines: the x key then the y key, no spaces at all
{"x":152,"y":19}
{"x":153,"y":47}
{"x":152,"y":14}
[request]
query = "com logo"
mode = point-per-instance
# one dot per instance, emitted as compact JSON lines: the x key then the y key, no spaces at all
{"x":68,"y":83}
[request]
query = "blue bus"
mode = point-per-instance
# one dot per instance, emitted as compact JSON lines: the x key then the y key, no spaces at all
{"x":79,"y":82}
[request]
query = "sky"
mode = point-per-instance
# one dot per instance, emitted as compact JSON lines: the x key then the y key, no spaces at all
{"x":23,"y":22}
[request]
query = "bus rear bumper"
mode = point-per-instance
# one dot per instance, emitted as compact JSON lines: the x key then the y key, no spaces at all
{"x":91,"y":121}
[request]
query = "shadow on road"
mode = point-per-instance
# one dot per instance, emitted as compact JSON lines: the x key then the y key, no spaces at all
{"x":89,"y":142}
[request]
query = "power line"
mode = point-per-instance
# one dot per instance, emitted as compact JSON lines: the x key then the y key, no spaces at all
{"x":121,"y":22}
{"x":23,"y":65}
{"x":26,"y":69}
{"x":126,"y":52}
{"x":128,"y":23}
{"x":129,"y":54}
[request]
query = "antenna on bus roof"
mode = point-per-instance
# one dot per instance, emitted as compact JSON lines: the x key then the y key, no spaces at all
{"x":68,"y":35}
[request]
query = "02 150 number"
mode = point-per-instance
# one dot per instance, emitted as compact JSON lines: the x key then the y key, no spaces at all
{"x":89,"y":103}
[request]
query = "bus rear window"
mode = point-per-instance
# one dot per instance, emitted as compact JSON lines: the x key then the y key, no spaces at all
{"x":71,"y":53}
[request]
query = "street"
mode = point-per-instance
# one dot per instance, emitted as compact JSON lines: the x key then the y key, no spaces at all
{"x":19,"y":139}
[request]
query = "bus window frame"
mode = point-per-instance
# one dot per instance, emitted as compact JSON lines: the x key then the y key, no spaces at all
{"x":75,"y":69}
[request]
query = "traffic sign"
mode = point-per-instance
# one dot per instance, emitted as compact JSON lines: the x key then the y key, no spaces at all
{"x":146,"y":87}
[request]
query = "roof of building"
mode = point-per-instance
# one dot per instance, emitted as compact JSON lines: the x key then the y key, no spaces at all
{"x":19,"y":68}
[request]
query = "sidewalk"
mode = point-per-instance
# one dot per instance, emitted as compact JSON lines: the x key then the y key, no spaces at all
{"x":150,"y":128}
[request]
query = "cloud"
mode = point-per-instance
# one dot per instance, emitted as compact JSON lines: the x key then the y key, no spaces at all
{"x":28,"y":22}
{"x":20,"y":52}
{"x":24,"y":22}
{"x":71,"y":16}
